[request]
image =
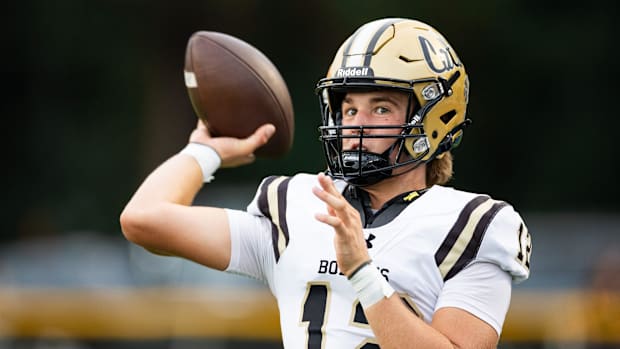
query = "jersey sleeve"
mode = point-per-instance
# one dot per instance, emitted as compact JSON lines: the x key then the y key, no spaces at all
{"x":486,"y":230}
{"x":260,"y":235}
{"x":482,"y":289}
{"x":508,"y":244}
{"x":250,"y":245}
{"x":271,"y":202}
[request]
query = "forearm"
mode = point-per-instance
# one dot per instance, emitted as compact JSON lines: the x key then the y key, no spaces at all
{"x":160,"y":215}
{"x":146,"y":218}
{"x":177,"y":180}
{"x":395,"y":326}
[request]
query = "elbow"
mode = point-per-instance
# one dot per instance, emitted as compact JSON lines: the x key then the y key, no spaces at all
{"x":134,"y":223}
{"x":138,"y":227}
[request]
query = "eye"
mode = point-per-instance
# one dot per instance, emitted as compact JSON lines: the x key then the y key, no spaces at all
{"x":382,"y":110}
{"x":350,"y":112}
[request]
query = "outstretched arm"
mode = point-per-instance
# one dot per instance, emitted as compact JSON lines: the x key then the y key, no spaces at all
{"x":160,"y":217}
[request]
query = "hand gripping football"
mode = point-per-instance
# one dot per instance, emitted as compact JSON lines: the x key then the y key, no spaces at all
{"x":234,"y":88}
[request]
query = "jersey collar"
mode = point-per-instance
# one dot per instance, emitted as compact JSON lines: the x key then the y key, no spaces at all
{"x":359,"y":199}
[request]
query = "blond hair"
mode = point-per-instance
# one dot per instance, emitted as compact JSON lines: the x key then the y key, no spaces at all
{"x":439,"y":170}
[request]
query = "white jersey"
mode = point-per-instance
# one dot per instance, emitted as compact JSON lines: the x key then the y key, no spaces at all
{"x":421,"y":251}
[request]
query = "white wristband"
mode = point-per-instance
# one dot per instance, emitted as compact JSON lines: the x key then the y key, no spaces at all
{"x":370,"y":285}
{"x":208,"y":159}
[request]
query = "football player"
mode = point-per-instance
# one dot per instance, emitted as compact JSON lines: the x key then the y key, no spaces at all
{"x":375,"y":251}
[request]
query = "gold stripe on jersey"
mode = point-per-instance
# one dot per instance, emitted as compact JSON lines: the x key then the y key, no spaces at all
{"x":464,"y":239}
{"x":272,"y":204}
{"x":272,"y":199}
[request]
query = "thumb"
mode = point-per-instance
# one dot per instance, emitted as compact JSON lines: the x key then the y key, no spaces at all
{"x":260,"y":136}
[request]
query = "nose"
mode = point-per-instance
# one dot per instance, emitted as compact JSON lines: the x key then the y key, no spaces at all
{"x":357,"y":122}
{"x":357,"y":128}
{"x":361,"y":118}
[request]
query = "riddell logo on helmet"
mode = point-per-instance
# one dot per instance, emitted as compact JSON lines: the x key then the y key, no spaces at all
{"x":354,"y":71}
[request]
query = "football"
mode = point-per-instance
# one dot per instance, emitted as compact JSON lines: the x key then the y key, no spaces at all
{"x":234,"y":88}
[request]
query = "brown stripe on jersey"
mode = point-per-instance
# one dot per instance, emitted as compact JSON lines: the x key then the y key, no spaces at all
{"x":272,"y":204}
{"x":457,"y":228}
{"x":263,"y":206}
{"x":474,"y":244}
{"x":282,"y":189}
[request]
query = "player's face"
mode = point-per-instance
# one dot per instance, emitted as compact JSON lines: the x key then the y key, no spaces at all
{"x":373,"y":108}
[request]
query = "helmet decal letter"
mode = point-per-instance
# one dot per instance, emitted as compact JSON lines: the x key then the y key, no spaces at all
{"x":446,"y":60}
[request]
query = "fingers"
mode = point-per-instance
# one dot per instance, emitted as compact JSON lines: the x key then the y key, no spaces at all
{"x":248,"y":145}
{"x":330,"y":220}
{"x":259,"y":137}
{"x":329,"y":193}
{"x":236,"y":152}
{"x":339,"y":213}
{"x":349,"y":241}
{"x":239,"y":161}
{"x":233,"y":151}
{"x":201,"y":125}
{"x":200,"y":134}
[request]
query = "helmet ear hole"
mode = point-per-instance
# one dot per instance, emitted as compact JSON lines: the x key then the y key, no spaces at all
{"x":434,"y":134}
{"x":448,"y":116}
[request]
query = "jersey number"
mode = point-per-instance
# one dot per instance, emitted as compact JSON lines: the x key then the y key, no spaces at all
{"x":315,"y":314}
{"x":525,"y":247}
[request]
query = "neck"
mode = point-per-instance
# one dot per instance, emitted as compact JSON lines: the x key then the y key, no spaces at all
{"x":388,"y":188}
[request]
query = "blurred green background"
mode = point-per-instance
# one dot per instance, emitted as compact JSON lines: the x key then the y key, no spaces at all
{"x":94,"y":97}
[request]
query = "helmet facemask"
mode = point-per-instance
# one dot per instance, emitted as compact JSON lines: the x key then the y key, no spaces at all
{"x":403,"y":55}
{"x":357,"y":166}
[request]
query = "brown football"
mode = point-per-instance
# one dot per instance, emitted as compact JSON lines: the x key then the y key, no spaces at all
{"x":234,"y":88}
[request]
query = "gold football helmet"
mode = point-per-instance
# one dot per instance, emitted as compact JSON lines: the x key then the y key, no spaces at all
{"x":401,"y":54}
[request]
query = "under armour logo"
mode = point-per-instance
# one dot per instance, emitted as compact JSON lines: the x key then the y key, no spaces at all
{"x":368,"y":241}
